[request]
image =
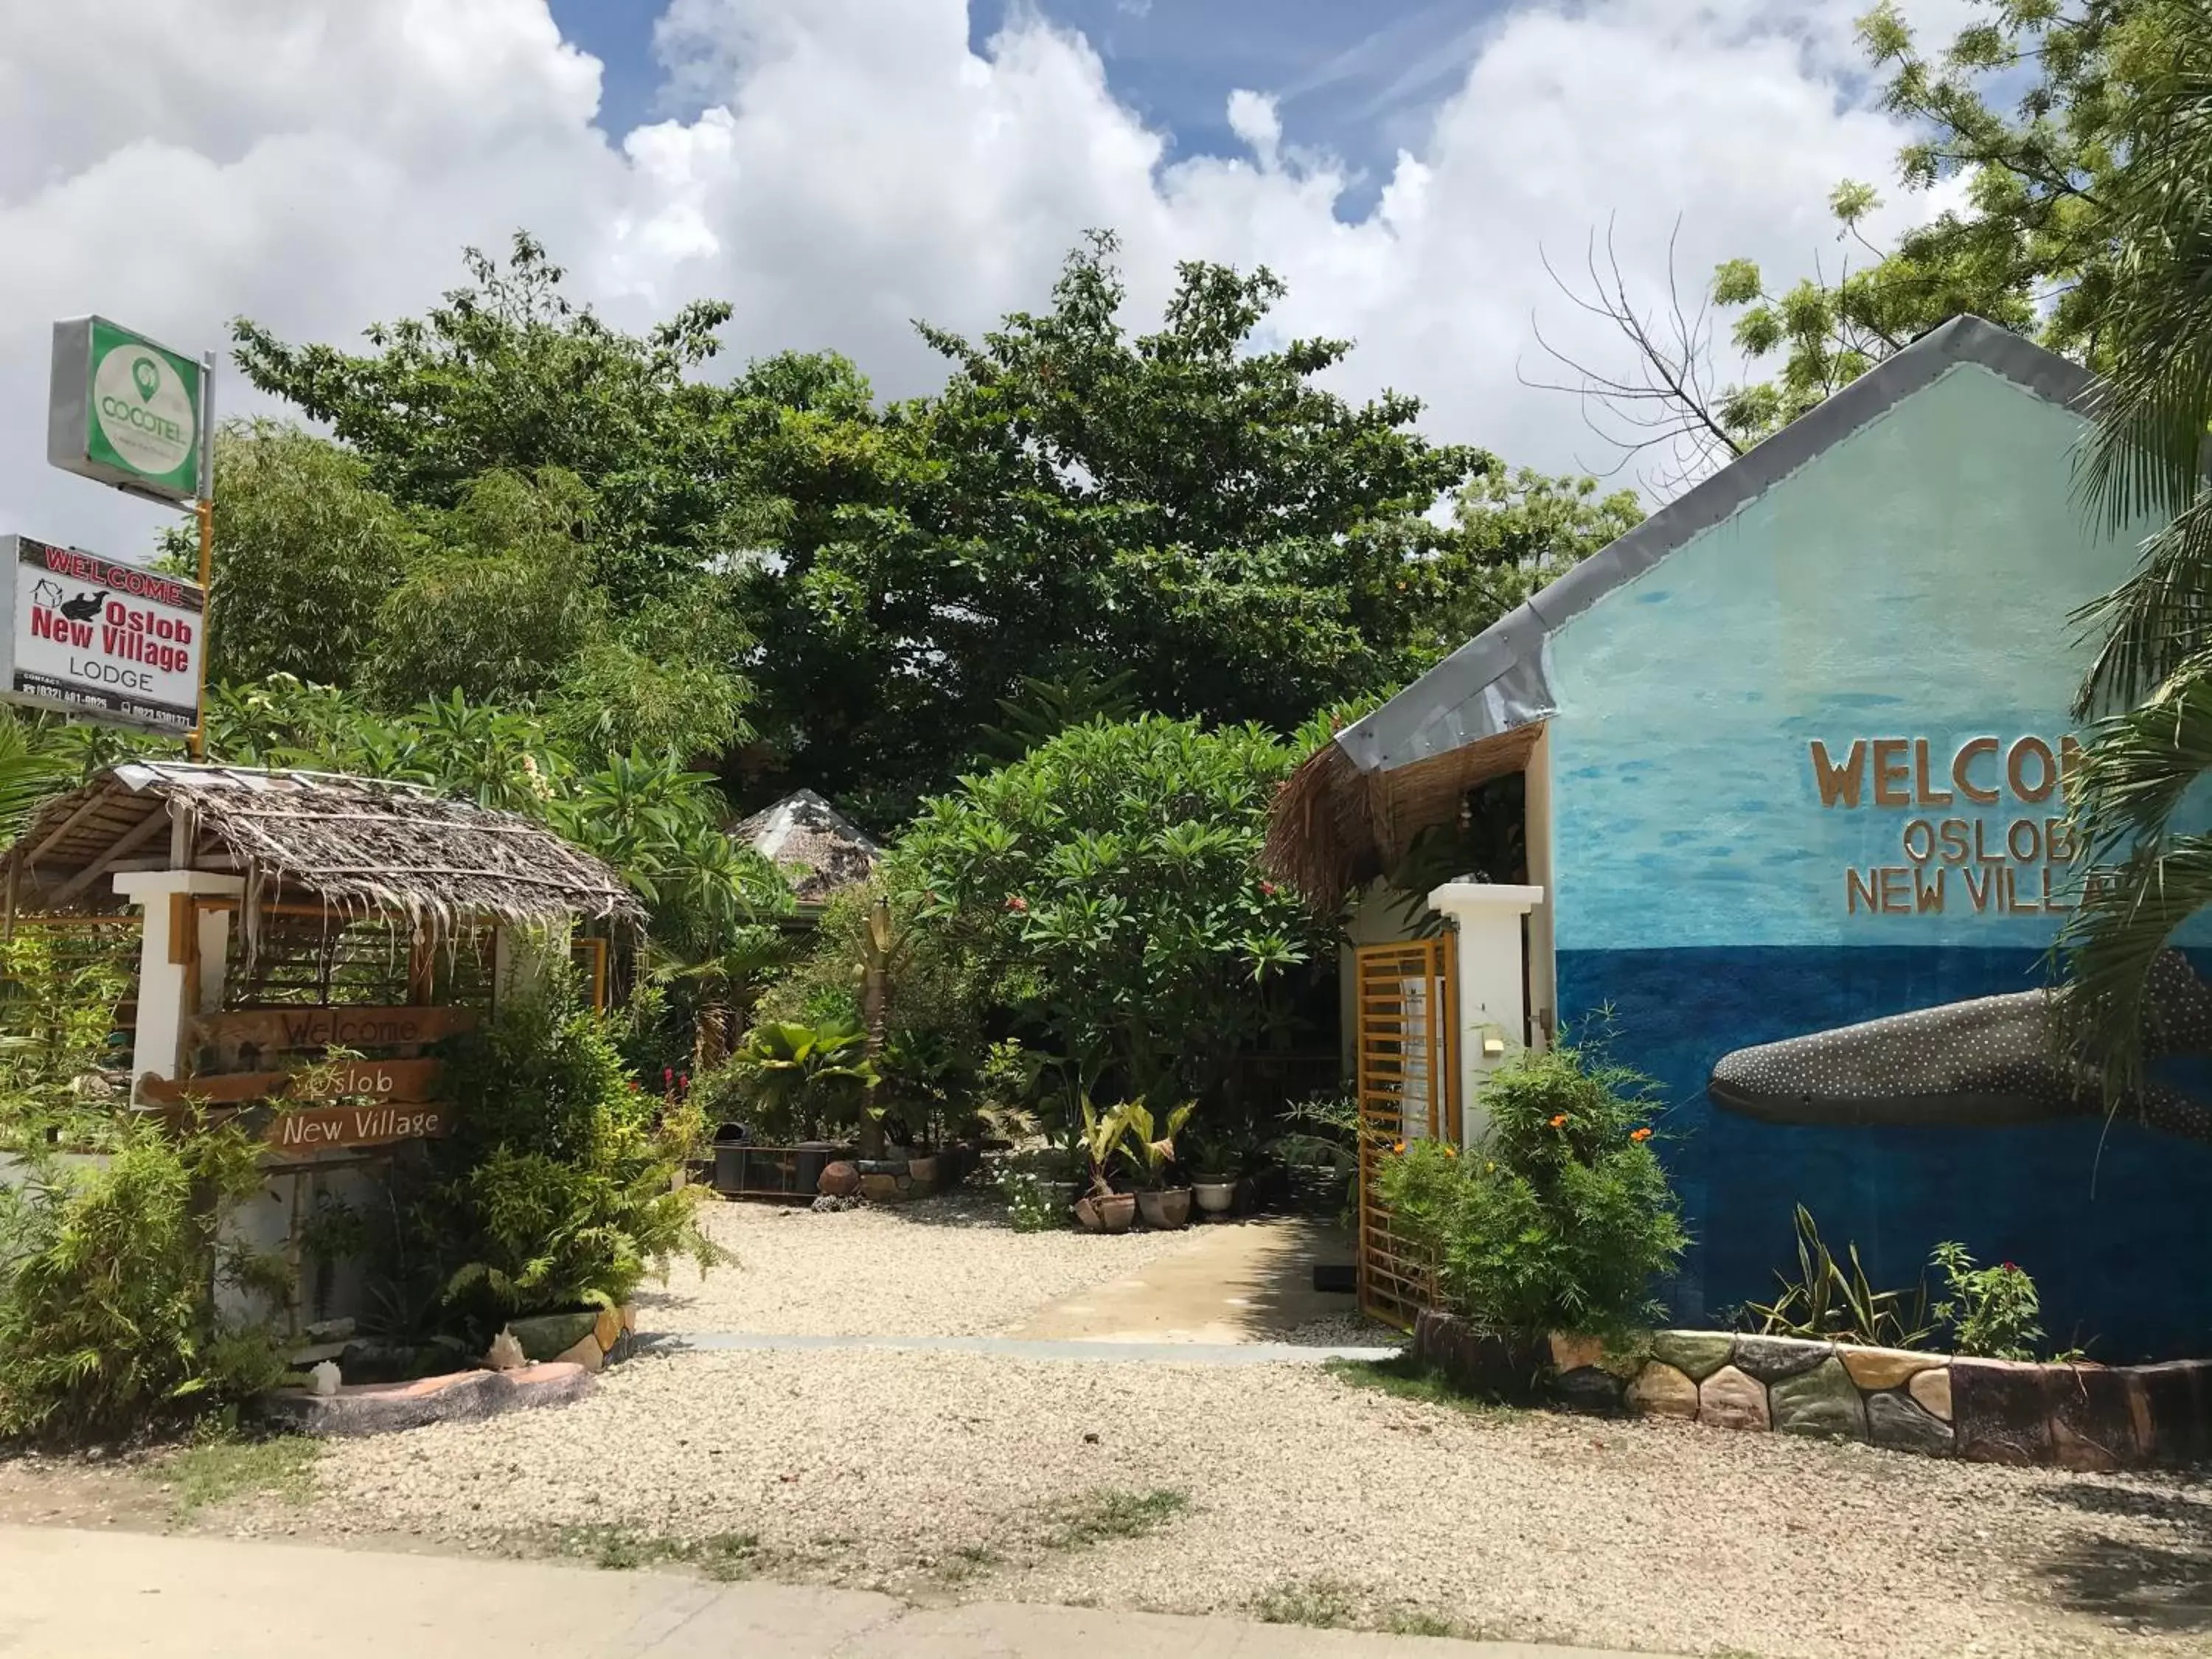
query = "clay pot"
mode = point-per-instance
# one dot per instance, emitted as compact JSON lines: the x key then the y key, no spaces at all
{"x":1166,"y":1211}
{"x":1115,"y":1213}
{"x":1215,"y":1197}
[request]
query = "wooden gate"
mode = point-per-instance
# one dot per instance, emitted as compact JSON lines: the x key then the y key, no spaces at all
{"x":1408,"y":1085}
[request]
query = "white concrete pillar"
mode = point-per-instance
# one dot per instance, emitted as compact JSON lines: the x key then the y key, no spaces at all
{"x":1494,"y":1008}
{"x":164,"y":1000}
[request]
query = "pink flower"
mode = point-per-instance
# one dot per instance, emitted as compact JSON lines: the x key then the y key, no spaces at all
{"x":1016,"y":902}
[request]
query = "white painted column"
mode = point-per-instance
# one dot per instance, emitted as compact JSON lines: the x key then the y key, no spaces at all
{"x":1493,"y":1010}
{"x":164,"y":985}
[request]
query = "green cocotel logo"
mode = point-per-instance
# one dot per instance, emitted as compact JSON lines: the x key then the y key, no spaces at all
{"x":144,"y":413}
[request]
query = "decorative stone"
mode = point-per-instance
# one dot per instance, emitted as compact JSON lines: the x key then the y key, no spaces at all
{"x":1730,"y":1400}
{"x":883,"y":1166}
{"x":1663,"y":1391}
{"x":505,"y":1353}
{"x":1696,"y":1354}
{"x":629,"y":1318}
{"x":1589,"y":1389}
{"x":545,"y":1336}
{"x":377,"y":1407}
{"x":1821,"y":1401}
{"x":2173,"y":1406}
{"x":1884,"y":1368}
{"x":609,"y":1327}
{"x":1894,"y":1420}
{"x":1931,"y":1390}
{"x":1771,"y":1359}
{"x":1570,"y":1352}
{"x":838,"y":1180}
{"x":324,"y":1379}
{"x":2000,"y":1411}
{"x":2092,"y":1426}
{"x":587,"y":1353}
{"x":879,"y":1188}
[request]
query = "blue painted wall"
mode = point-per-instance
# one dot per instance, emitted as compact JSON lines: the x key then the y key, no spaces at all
{"x":1911,"y":583}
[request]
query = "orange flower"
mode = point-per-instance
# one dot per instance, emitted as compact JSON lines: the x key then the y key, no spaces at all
{"x":1451,"y":1151}
{"x":1639,"y":1136}
{"x":1399,"y":1147}
{"x":1559,"y":1122}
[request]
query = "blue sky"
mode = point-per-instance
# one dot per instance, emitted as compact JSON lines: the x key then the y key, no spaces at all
{"x":1359,"y":78}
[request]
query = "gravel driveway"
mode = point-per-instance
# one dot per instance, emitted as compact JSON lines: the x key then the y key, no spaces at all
{"x":1289,"y":1490}
{"x":947,"y":1266}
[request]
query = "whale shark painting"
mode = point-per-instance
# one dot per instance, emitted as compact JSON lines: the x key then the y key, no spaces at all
{"x":1984,"y":1062}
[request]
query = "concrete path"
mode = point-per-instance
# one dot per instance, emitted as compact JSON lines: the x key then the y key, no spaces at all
{"x":1243,"y":1281}
{"x":1014,"y":1348}
{"x":94,"y":1595}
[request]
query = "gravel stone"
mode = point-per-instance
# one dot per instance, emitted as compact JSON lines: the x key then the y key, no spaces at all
{"x":1641,"y":1534}
{"x":946,"y":1266}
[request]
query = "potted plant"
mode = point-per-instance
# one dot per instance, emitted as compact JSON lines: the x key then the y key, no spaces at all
{"x":1162,"y":1205}
{"x":1217,"y":1160}
{"x":1103,"y":1210}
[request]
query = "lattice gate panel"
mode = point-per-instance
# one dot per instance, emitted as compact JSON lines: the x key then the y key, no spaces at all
{"x":1409,"y":1086}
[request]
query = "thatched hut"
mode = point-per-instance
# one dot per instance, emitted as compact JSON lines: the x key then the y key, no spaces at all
{"x":819,"y":850}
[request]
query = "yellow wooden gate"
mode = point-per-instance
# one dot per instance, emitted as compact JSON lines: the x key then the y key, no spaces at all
{"x":1408,"y":1084}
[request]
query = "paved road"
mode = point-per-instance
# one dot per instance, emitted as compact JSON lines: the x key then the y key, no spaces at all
{"x":92,"y":1594}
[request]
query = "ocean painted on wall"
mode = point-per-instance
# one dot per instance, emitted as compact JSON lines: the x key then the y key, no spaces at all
{"x":1807,"y":772}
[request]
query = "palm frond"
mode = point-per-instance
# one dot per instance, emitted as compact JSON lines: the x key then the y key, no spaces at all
{"x":2139,"y":766}
{"x":2127,"y":914}
{"x":2153,"y":621}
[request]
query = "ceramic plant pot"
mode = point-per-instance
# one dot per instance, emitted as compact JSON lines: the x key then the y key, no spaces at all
{"x":1215,"y":1197}
{"x":1115,"y":1213}
{"x":1166,"y":1211}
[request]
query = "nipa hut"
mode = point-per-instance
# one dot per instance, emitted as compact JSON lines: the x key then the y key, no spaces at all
{"x":820,"y":851}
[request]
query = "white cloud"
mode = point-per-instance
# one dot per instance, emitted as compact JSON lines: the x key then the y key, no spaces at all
{"x":318,"y":164}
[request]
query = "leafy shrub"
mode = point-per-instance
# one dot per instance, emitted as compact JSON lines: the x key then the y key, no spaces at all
{"x":1032,"y":1204}
{"x":1560,"y":1217}
{"x":106,"y":1321}
{"x":1993,"y":1312}
{"x":1829,"y":1303}
{"x":801,"y":1081}
{"x":556,"y":1189}
{"x":1106,"y":888}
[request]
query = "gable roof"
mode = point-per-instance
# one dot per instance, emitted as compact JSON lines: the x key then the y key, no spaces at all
{"x":1496,"y":680}
{"x":819,"y":849}
{"x":1350,"y":808}
{"x":356,"y":843}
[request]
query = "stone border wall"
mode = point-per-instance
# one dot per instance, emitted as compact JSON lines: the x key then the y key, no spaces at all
{"x":1989,"y":1411}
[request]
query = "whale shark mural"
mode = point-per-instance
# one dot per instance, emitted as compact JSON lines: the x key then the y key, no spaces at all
{"x":1984,"y":1062}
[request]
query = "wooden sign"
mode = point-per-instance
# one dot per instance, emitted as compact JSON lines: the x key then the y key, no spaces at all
{"x":405,"y":1081}
{"x":319,"y":1129}
{"x":274,"y":1029}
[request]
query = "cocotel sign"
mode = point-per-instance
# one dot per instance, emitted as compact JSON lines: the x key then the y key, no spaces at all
{"x":126,"y":410}
{"x":101,"y":641}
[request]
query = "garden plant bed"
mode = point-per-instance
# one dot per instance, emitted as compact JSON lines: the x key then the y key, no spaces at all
{"x":2075,"y":1416}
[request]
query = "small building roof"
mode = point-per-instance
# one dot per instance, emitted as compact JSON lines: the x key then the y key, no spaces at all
{"x":366,"y":843}
{"x":820,"y":850}
{"x":1351,"y":805}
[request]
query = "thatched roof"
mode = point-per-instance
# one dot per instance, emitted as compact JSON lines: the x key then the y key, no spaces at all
{"x":1350,"y":808}
{"x":363,"y":844}
{"x":819,"y":849}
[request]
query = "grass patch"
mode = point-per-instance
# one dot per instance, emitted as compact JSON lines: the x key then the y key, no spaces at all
{"x":1318,"y":1603}
{"x":723,"y":1556}
{"x":217,"y":1471}
{"x":965,"y":1562}
{"x":1098,"y":1516}
{"x":1408,"y":1378}
{"x":1328,"y":1604}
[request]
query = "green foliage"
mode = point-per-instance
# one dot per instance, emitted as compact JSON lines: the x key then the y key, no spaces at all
{"x":508,"y":376}
{"x":1828,"y":1302}
{"x":105,"y":1318}
{"x":1560,"y":1217}
{"x":804,"y":1080}
{"x":555,"y":1189}
{"x":1032,"y":1205}
{"x":37,"y":759}
{"x":1093,"y":1517}
{"x":216,"y":1468}
{"x":57,"y":1013}
{"x":1149,"y":1154}
{"x":1994,"y":1312}
{"x":1106,"y":887}
{"x":306,"y":551}
{"x":1513,"y":534}
{"x":1190,"y":506}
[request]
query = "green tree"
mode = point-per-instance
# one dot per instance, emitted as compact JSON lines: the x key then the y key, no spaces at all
{"x":508,"y":375}
{"x":1186,"y":505}
{"x":2148,"y":463}
{"x":305,"y":550}
{"x":1514,"y":534}
{"x":1109,"y":882}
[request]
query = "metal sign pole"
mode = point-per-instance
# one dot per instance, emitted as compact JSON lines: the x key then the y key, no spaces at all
{"x":204,"y":509}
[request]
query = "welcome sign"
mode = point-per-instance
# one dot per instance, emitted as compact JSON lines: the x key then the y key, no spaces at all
{"x":102,"y":640}
{"x":126,"y":410}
